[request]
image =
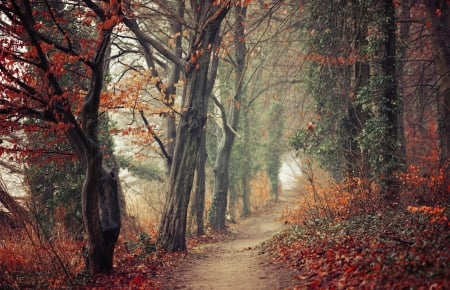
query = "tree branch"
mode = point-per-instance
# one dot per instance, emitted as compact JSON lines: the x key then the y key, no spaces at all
{"x":157,"y":139}
{"x":224,"y":116}
{"x":144,"y":38}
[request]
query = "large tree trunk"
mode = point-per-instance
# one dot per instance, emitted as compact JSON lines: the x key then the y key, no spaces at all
{"x":198,"y":207}
{"x":90,"y":211}
{"x":100,"y":203}
{"x":99,"y":196}
{"x":390,"y":109}
{"x":221,"y":168}
{"x":172,"y":230}
{"x":441,"y":40}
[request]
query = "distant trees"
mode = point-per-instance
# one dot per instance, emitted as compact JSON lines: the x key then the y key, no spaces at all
{"x":230,"y":121}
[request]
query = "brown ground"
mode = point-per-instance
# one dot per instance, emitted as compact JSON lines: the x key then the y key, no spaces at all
{"x":236,"y":263}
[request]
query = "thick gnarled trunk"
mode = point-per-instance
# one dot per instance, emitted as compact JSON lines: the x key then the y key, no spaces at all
{"x":99,"y":195}
{"x":100,"y":203}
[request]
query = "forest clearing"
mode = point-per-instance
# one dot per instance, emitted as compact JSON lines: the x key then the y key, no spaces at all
{"x":224,"y":144}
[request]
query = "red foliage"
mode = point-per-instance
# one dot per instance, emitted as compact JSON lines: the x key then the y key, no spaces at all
{"x":133,"y":271}
{"x":402,"y":251}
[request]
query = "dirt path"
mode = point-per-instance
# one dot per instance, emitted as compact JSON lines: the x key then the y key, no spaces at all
{"x":237,"y":263}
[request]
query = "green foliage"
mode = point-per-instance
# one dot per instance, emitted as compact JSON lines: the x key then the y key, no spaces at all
{"x":274,"y":148}
{"x":55,"y":180}
{"x":56,"y":184}
{"x":357,"y":124}
{"x":142,"y":246}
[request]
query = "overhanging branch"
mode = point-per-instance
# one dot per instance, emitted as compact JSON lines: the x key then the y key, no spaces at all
{"x":157,"y":139}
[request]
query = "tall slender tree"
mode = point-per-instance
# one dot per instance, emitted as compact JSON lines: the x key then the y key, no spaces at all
{"x":208,"y":18}
{"x":390,"y":108}
{"x":230,"y":123}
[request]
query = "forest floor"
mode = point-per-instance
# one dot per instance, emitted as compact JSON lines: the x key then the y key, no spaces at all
{"x":237,"y":260}
{"x":398,"y":249}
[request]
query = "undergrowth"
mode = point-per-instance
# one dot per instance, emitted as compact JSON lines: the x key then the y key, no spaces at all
{"x":393,"y":250}
{"x":342,"y":237}
{"x":31,"y":260}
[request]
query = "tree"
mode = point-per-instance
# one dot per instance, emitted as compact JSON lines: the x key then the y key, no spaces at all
{"x":31,"y":64}
{"x":353,"y":124}
{"x":199,"y":191}
{"x":208,"y":18}
{"x":328,"y":60}
{"x":244,"y":63}
{"x":230,"y":122}
{"x":439,"y":13}
{"x":358,"y":129}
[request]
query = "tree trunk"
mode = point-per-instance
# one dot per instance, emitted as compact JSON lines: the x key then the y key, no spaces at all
{"x":355,"y":162}
{"x":441,"y":40}
{"x":99,"y":195}
{"x":198,"y":198}
{"x":218,"y":208}
{"x":390,"y":110}
{"x":98,"y":262}
{"x":172,"y":230}
{"x":99,"y":199}
{"x":246,"y":168}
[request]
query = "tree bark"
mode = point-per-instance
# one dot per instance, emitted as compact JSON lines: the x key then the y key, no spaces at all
{"x":221,"y":180}
{"x":218,"y":208}
{"x":172,"y":230}
{"x":198,"y":198}
{"x":390,"y":110}
{"x":355,"y":158}
{"x":439,"y":12}
{"x":245,"y":163}
{"x":100,"y":202}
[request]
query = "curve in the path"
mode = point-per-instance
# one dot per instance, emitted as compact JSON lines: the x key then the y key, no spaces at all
{"x":236,"y":264}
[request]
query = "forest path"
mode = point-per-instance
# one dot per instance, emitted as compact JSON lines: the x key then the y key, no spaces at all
{"x":236,"y":263}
